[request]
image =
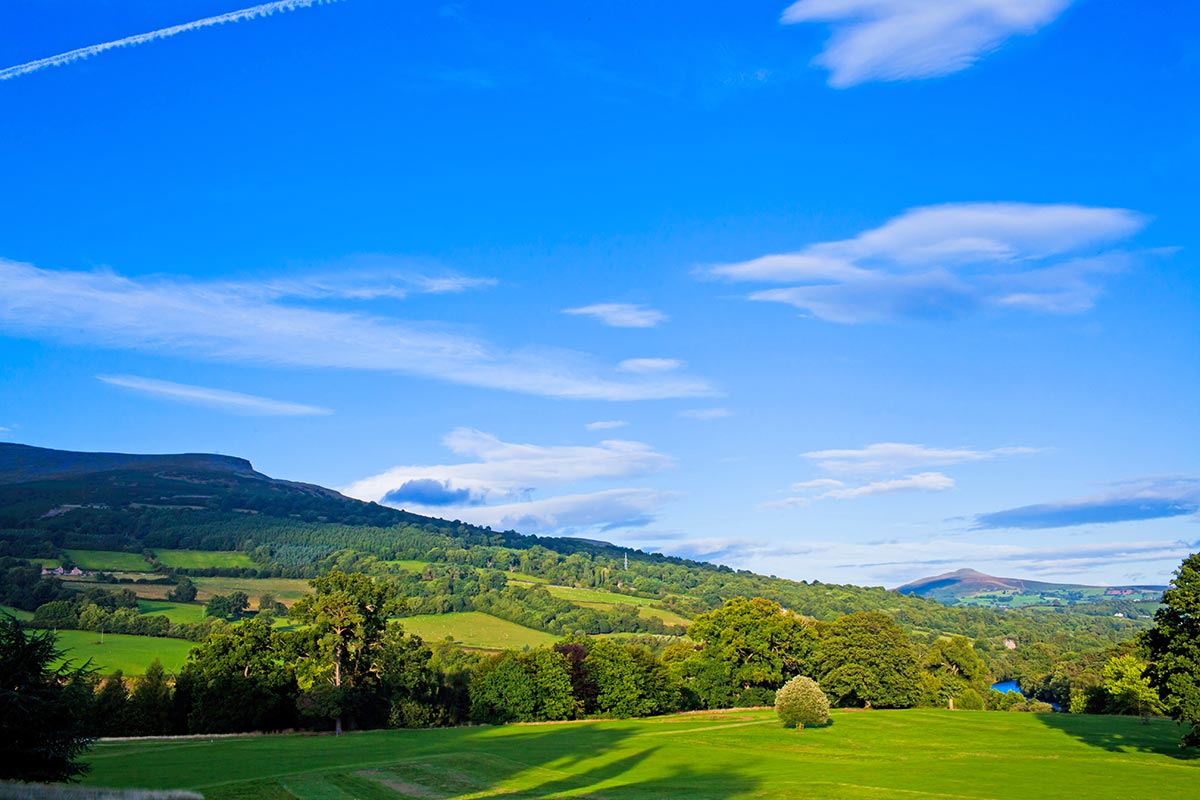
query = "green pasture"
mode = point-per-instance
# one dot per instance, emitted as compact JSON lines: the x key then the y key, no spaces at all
{"x":596,"y":596}
{"x":862,"y":755}
{"x":143,"y":584}
{"x":476,"y":629}
{"x":199,"y":559}
{"x":601,"y":600}
{"x":408,"y":565}
{"x":24,"y":616}
{"x":130,"y":654}
{"x":284,"y":589}
{"x":176,"y":612}
{"x":108,"y":561}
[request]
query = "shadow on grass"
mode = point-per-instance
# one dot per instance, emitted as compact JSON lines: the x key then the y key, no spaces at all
{"x":1123,"y":734}
{"x":612,"y":761}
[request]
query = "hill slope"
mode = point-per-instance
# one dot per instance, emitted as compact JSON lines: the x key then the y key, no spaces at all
{"x":971,"y":587}
{"x":52,"y":502}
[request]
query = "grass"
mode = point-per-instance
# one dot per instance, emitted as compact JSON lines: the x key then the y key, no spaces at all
{"x":199,"y":559}
{"x":108,"y":561}
{"x":176,"y":612}
{"x":602,"y":601}
{"x":738,"y":754}
{"x":24,"y":616}
{"x":284,"y":589}
{"x":130,"y":654}
{"x":476,"y":629}
{"x":408,"y":565}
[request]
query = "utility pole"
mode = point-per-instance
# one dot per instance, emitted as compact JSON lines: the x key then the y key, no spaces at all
{"x":627,"y":562}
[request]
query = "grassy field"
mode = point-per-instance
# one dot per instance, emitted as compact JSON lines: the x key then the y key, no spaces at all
{"x":130,"y":654}
{"x":739,"y":754}
{"x":109,"y":561}
{"x":144,"y":589}
{"x":18,"y":613}
{"x":476,"y":629}
{"x":601,"y":600}
{"x":176,"y":612}
{"x":199,"y":559}
{"x":284,"y":589}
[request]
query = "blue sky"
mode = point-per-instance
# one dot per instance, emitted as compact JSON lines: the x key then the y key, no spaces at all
{"x":845,"y":290}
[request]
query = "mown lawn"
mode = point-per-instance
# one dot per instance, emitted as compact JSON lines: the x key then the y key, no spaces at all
{"x":476,"y":629}
{"x":130,"y":654}
{"x":109,"y":561}
{"x":738,"y":754}
{"x":199,"y":559}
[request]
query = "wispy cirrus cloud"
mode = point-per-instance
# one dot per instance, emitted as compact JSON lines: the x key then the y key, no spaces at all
{"x":255,"y":323}
{"x":219,"y":399}
{"x":497,"y":486}
{"x":894,"y":40}
{"x":830,"y":489}
{"x":1128,"y":501}
{"x":948,"y":260}
{"x":894,"y":456}
{"x":62,"y":59}
{"x":605,"y":424}
{"x":646,"y":365}
{"x":621,"y":315}
{"x":705,"y":414}
{"x":876,"y":469}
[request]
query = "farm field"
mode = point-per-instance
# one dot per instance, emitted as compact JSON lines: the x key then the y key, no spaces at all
{"x":24,"y":616}
{"x":284,"y":589}
{"x":130,"y":654}
{"x":601,"y":600}
{"x":176,"y":612}
{"x":733,"y":754}
{"x":147,"y":586}
{"x":476,"y":629}
{"x":109,"y":561}
{"x":199,"y":559}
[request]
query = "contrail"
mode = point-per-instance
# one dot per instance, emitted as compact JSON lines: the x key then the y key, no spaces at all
{"x":62,"y":59}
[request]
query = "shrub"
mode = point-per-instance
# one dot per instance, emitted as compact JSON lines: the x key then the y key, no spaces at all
{"x":969,"y":700}
{"x":801,"y":703}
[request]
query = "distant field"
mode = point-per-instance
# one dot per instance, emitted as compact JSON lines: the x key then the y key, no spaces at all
{"x":407,"y":564}
{"x":130,"y":654}
{"x":739,"y":754}
{"x":596,"y":596}
{"x":476,"y":629}
{"x":284,"y":589}
{"x":142,"y":588}
{"x":18,"y":613}
{"x":109,"y":561}
{"x":176,"y":612}
{"x":199,"y":559}
{"x":602,"y":600}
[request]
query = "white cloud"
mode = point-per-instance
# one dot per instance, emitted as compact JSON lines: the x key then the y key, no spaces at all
{"x":945,"y":260}
{"x":220,"y":399}
{"x":646,"y":365}
{"x":621,"y":315}
{"x":606,"y":424}
{"x":246,"y":322}
{"x":829,"y":489}
{"x":497,"y":487}
{"x":706,"y":413}
{"x":893,"y":40}
{"x":883,"y":461}
{"x":504,"y":471}
{"x":4,"y":429}
{"x":62,"y":59}
{"x":896,"y":456}
{"x":600,"y":511}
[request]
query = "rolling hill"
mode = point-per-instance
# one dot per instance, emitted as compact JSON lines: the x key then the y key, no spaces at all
{"x":971,"y":587}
